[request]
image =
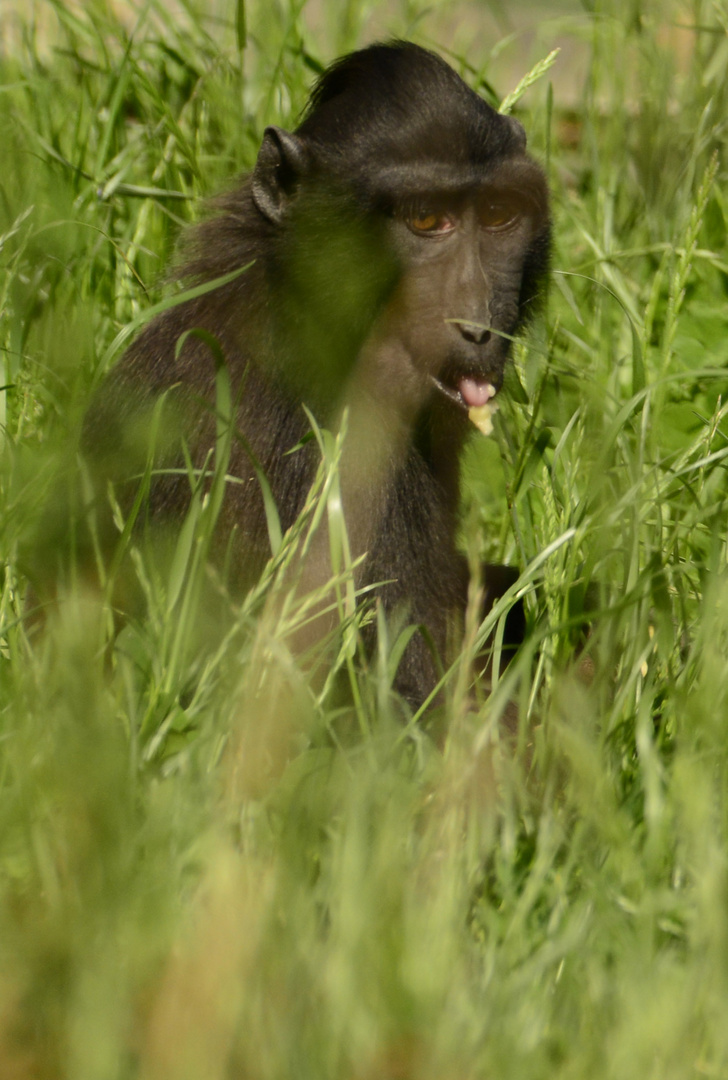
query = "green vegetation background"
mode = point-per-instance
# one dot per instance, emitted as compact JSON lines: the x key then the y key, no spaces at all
{"x":204,"y":873}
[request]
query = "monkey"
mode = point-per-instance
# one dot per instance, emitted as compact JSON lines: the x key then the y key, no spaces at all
{"x":388,"y":249}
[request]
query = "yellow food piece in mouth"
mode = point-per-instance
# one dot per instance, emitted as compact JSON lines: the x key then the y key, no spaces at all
{"x":482,"y":416}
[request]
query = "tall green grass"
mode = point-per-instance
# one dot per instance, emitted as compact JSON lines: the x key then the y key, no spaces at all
{"x":210,"y":867}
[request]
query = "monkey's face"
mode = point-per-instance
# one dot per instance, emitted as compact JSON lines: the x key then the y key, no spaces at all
{"x":461,"y":297}
{"x":412,"y":231}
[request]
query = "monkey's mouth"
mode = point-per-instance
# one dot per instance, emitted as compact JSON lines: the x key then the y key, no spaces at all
{"x":474,"y":395}
{"x":468,"y":391}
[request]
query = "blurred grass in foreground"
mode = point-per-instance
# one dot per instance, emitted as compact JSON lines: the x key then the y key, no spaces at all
{"x":209,"y":868}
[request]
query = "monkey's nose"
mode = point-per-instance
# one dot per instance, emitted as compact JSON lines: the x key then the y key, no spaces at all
{"x":473,"y":332}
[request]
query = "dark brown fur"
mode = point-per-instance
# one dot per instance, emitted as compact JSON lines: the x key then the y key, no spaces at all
{"x":346,"y":306}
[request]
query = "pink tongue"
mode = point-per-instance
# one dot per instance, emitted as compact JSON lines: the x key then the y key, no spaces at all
{"x":476,"y":392}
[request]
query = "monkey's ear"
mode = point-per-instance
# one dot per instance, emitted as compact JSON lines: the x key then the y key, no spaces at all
{"x":282,"y":160}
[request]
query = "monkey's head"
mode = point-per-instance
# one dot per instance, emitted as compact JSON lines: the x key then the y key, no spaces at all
{"x":404,"y":208}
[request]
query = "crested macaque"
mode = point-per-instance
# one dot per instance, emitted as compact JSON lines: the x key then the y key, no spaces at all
{"x":394,"y":243}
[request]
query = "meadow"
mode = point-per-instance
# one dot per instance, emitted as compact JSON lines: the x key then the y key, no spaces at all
{"x":212,"y":868}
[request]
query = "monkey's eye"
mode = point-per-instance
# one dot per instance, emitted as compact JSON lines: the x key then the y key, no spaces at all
{"x":430,"y":222}
{"x":498,"y":213}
